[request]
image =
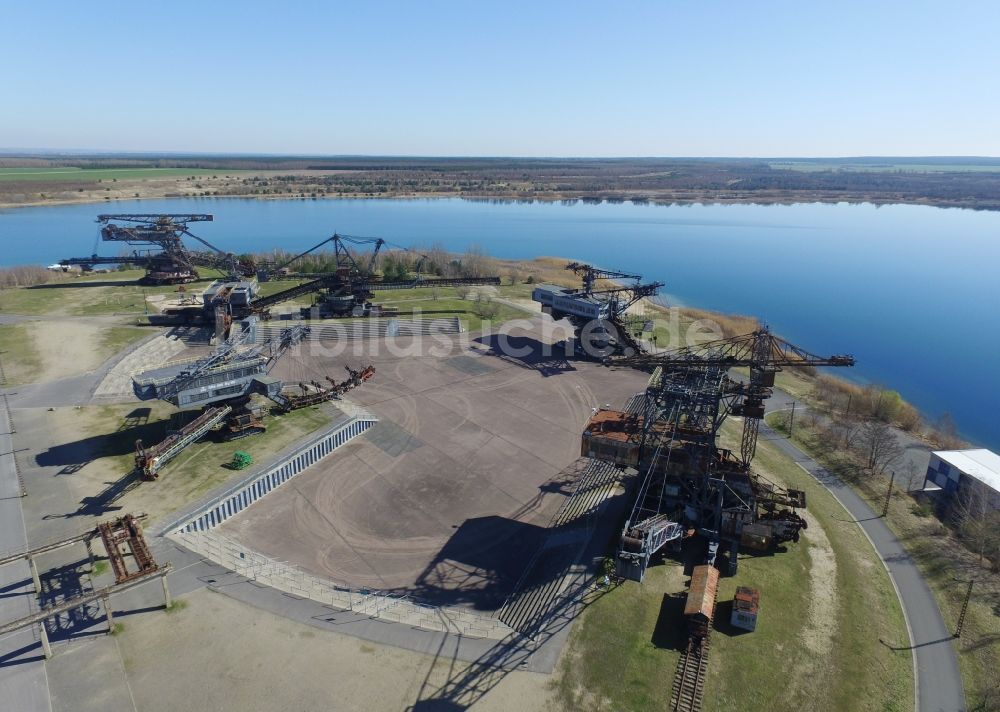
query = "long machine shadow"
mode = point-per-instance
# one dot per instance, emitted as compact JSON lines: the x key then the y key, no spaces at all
{"x":529,"y":352}
{"x":77,"y":284}
{"x":61,"y":584}
{"x":557,"y":583}
{"x":75,"y":455}
{"x":479,"y":565}
{"x":466,"y":686}
{"x":13,"y":657}
{"x":103,"y":502}
{"x":486,"y":558}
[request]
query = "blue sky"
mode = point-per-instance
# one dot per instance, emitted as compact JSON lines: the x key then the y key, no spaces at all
{"x":669,"y":78}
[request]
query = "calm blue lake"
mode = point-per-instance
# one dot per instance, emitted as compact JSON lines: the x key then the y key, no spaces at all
{"x":911,"y":291}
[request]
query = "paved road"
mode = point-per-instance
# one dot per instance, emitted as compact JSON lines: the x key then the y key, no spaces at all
{"x":23,"y":683}
{"x":939,"y":682}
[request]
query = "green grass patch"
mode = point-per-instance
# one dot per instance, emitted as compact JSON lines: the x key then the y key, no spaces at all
{"x":858,"y":672}
{"x":202,"y":467}
{"x":116,"y":338}
{"x":176,"y":605}
{"x":622,"y":653}
{"x":109,"y":433}
{"x":91,"y":295}
{"x":100,"y":567}
{"x":17,"y":353}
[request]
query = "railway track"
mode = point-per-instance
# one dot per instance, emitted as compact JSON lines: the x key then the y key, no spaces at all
{"x":689,"y":683}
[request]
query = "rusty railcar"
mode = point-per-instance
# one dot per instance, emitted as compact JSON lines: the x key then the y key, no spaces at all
{"x":700,"y":606}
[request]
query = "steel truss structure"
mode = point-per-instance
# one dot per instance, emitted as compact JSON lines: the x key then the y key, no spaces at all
{"x":687,"y":482}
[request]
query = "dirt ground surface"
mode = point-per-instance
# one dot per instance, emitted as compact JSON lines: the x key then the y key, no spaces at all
{"x":216,"y":654}
{"x":66,"y":348}
{"x":471,"y":458}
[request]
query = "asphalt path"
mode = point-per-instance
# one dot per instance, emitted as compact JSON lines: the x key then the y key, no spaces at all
{"x":935,"y":662}
{"x":23,"y":682}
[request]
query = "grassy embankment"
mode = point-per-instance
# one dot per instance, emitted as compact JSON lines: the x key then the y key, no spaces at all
{"x":943,"y":560}
{"x":433,"y":303}
{"x":17,"y":354}
{"x":825,"y":604}
{"x":62,"y":344}
{"x":108,"y":294}
{"x":196,"y":471}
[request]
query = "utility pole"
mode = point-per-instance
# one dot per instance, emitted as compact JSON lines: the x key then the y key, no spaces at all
{"x":885,"y":507}
{"x":848,"y":412}
{"x":965,"y":608}
{"x":791,"y":420}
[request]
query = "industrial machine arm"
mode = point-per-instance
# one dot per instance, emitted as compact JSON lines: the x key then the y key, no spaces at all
{"x":155,"y":218}
{"x":591,"y":274}
{"x":265,"y":274}
{"x":758,"y":349}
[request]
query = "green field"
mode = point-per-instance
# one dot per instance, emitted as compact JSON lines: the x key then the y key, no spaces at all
{"x":92,"y":295}
{"x":195,"y":471}
{"x":49,"y":175}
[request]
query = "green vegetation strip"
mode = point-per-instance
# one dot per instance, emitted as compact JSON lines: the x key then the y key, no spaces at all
{"x":199,"y":469}
{"x":103,"y":294}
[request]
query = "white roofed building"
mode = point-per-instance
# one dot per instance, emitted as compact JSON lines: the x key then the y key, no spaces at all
{"x":954,"y":469}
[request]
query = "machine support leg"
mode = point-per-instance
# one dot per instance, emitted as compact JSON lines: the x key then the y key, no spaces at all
{"x":46,"y":648}
{"x":34,"y":575}
{"x":90,"y":553}
{"x":111,"y":620}
{"x":167,"y":601}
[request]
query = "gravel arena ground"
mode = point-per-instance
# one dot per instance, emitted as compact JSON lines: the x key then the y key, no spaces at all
{"x":447,"y":497}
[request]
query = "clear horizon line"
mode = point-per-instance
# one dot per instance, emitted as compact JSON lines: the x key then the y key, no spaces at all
{"x":11,"y":152}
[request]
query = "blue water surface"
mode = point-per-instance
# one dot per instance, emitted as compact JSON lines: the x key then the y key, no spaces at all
{"x":911,"y":291}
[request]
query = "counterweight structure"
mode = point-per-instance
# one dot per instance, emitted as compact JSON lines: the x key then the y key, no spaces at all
{"x":687,"y":483}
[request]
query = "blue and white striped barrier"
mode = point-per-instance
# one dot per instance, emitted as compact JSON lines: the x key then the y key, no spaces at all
{"x":249,"y":491}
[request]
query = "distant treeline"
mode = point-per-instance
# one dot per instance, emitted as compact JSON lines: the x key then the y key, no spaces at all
{"x":960,"y":182}
{"x":393,"y":264}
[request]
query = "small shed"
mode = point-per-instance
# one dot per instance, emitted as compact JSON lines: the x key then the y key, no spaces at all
{"x":746,"y":604}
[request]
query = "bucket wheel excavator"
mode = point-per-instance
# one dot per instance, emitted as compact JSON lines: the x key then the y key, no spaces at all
{"x":222,"y":385}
